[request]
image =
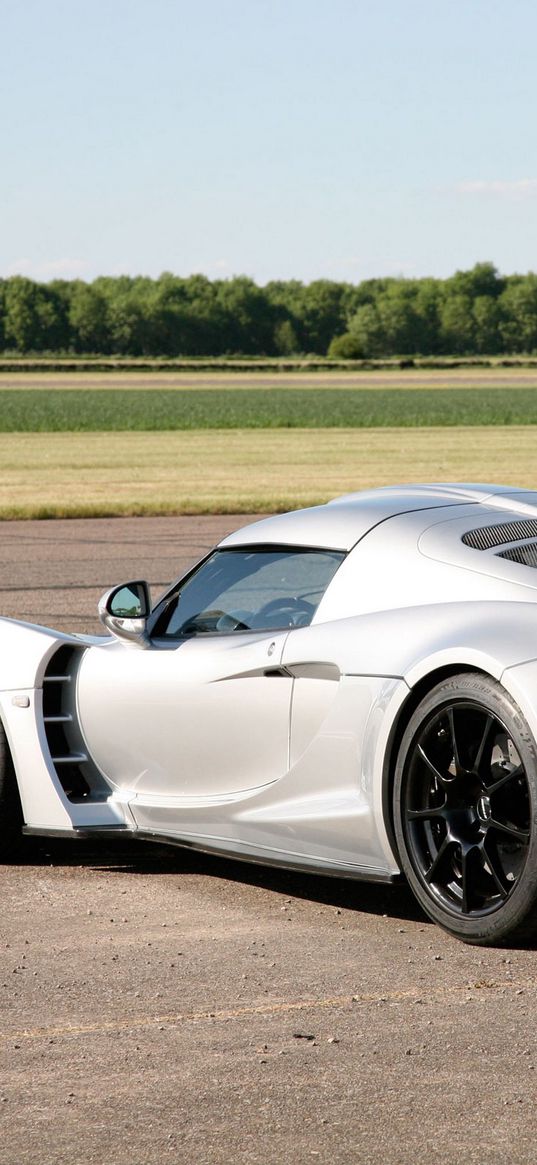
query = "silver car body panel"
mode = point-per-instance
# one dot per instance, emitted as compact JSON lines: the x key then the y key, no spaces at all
{"x":275,"y":746}
{"x":344,"y":521}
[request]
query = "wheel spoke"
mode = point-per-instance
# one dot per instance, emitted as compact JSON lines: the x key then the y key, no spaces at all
{"x":451,"y":721}
{"x":432,"y":768}
{"x":521,"y":835}
{"x":466,"y":879}
{"x":486,"y":732}
{"x":495,"y":867}
{"x":435,"y":865}
{"x":426,"y":814}
{"x":511,"y":776}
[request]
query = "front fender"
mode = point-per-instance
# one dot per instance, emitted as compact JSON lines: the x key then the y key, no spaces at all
{"x":25,"y":650}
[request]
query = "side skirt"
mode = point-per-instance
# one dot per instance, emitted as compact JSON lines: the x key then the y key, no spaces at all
{"x":284,"y":862}
{"x":80,"y":833}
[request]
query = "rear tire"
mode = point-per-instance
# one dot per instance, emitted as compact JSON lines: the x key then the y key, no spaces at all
{"x":11,"y":819}
{"x":465,"y":811}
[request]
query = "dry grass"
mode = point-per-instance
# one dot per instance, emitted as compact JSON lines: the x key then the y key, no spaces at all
{"x":396,"y":378}
{"x":90,"y":474}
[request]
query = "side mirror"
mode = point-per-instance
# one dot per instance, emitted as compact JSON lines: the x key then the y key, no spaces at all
{"x":124,"y":611}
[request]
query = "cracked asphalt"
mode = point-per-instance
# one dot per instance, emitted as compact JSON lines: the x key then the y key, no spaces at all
{"x":161,"y":1006}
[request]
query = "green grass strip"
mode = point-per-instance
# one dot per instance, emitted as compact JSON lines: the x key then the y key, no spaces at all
{"x":61,"y":410}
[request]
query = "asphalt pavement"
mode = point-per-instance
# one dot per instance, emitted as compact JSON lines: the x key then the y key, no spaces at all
{"x":161,"y":1006}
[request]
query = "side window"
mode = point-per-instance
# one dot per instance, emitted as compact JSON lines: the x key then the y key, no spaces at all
{"x":250,"y":590}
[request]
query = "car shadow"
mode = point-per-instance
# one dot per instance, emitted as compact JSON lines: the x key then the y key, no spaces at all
{"x":155,"y":859}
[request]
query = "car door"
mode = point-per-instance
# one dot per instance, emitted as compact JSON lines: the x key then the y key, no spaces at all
{"x":204,"y":710}
{"x":202,"y":717}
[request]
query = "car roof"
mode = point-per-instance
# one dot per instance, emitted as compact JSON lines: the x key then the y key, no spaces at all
{"x":342,"y":522}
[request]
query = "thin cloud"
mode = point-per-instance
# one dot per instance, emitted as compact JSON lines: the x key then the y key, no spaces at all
{"x":219,"y":268}
{"x":356,"y":267}
{"x":519,"y":188}
{"x":49,"y":269}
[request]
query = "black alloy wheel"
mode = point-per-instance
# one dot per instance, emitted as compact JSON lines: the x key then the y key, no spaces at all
{"x":465,"y":798}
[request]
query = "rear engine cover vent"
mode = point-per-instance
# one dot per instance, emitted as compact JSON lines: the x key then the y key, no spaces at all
{"x":489,"y":536}
{"x":526,"y":554}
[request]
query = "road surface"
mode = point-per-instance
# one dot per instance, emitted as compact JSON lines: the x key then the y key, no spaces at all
{"x":164,"y":1007}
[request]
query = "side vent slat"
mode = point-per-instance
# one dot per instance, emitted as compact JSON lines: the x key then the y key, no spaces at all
{"x":73,"y":758}
{"x":59,"y":725}
{"x":75,"y":769}
{"x":526,"y":554}
{"x":489,"y":536}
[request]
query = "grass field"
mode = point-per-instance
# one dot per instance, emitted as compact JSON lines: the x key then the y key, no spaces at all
{"x":58,"y":410}
{"x":70,"y":475}
{"x":142,"y":443}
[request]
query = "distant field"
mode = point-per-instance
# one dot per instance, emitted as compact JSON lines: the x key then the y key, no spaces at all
{"x":118,"y":409}
{"x":75,"y":444}
{"x":89,"y":474}
{"x":394,"y":378}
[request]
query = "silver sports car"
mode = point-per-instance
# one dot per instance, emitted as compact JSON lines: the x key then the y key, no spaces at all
{"x":349,"y":689}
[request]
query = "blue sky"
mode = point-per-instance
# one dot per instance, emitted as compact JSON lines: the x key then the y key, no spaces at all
{"x":284,"y":139}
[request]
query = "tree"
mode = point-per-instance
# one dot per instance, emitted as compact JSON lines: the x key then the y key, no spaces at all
{"x":285,"y":298}
{"x":487,"y":314}
{"x":367,"y":331}
{"x":345,"y":347}
{"x":360,"y":294}
{"x":519,"y":310}
{"x":249,"y":320}
{"x":34,"y":316}
{"x":399,"y":321}
{"x":483,"y":279}
{"x":473,"y":311}
{"x":126,"y":325}
{"x":457,"y":326}
{"x":21,"y":320}
{"x":285,"y":339}
{"x":320,"y":314}
{"x":88,"y":319}
{"x":428,"y":306}
{"x":2,"y":314}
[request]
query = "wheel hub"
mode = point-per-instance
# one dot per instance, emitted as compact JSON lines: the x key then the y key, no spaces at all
{"x":484,"y":808}
{"x":467,"y":807}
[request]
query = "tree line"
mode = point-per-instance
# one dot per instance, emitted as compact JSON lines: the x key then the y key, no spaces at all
{"x":476,"y":312}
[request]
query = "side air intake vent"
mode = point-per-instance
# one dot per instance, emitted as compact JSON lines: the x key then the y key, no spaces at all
{"x":76,"y":771}
{"x":489,"y":536}
{"x":527,"y":554}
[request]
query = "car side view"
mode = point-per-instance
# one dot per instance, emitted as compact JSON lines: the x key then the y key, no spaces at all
{"x":349,"y":689}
